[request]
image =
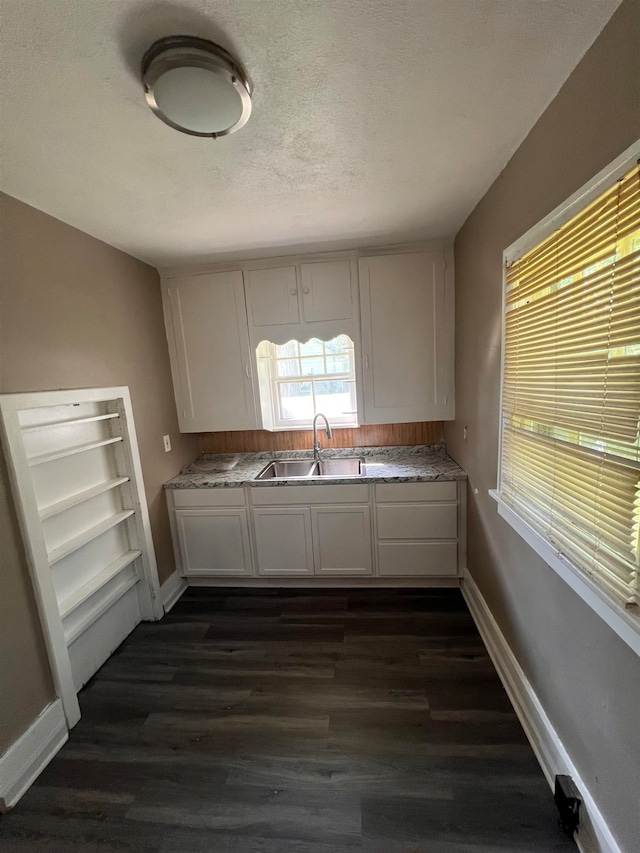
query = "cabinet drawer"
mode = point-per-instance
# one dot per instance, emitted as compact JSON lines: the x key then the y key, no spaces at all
{"x":412,"y":559}
{"x":208,"y":497}
{"x":283,"y":495}
{"x":442,"y":490}
{"x":417,"y":521}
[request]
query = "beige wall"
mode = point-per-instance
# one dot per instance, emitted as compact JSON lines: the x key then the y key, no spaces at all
{"x":75,"y":313}
{"x":25,"y":678}
{"x":587,"y":679}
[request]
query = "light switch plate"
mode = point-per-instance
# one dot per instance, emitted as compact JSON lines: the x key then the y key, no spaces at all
{"x":167,"y":443}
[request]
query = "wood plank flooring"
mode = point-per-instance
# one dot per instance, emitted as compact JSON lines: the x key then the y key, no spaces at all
{"x":270,"y":721}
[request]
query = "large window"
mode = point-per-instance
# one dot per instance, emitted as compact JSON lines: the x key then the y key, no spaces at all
{"x":570,"y":451}
{"x":297,"y":380}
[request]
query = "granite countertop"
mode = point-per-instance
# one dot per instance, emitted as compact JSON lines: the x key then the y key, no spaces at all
{"x":408,"y":464}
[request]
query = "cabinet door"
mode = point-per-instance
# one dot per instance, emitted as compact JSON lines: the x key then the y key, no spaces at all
{"x":272,"y":296}
{"x":407,"y":338}
{"x":214,"y":542}
{"x":283,"y":541}
{"x":326,"y":291}
{"x":342,"y":540}
{"x":209,"y":348}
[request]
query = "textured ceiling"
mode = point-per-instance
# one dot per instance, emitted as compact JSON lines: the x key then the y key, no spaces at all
{"x":375,"y":121}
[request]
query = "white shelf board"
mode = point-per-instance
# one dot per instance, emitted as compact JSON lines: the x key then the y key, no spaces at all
{"x":88,"y":589}
{"x":71,"y":634}
{"x":87,"y":536}
{"x":81,"y":497}
{"x":53,"y":424}
{"x":71,"y":451}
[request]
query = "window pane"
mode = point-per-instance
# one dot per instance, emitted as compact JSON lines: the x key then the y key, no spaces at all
{"x":288,"y":367}
{"x":312,"y":366}
{"x":290,"y":349}
{"x":335,"y":397}
{"x":312,"y":347}
{"x":338,"y":363}
{"x":295,"y":401}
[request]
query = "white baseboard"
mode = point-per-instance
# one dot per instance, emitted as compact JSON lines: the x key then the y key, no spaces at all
{"x":171,"y":590}
{"x":593,"y":836}
{"x":325,"y":583}
{"x":23,"y":762}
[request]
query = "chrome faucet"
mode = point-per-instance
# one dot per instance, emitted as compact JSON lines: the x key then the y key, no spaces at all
{"x":316,"y":443}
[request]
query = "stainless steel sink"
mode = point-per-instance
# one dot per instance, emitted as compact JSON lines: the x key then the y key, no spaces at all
{"x":287,"y":469}
{"x":306,"y":469}
{"x":347,"y":466}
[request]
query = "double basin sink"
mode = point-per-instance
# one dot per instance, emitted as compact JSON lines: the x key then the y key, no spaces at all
{"x":310,"y":469}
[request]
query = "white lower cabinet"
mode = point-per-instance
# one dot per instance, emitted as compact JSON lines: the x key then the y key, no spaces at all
{"x":283,"y":541}
{"x":342,"y":540}
{"x":298,"y":540}
{"x":388,"y":530}
{"x":419,"y":529}
{"x":214,"y":542}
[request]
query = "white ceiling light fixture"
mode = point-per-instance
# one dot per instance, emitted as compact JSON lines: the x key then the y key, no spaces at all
{"x":196,"y":86}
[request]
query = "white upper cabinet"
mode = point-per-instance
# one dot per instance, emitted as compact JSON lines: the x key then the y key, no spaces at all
{"x":326,"y":291}
{"x":209,"y":349}
{"x":398,"y":310}
{"x":406,"y":303}
{"x":272,"y":296}
{"x":313,"y":292}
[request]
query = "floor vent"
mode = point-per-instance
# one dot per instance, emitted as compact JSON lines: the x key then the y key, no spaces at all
{"x":568,"y":800}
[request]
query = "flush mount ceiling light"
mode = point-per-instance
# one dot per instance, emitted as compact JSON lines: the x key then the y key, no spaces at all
{"x":196,"y":86}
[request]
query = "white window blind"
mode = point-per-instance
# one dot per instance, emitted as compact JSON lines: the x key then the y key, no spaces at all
{"x":570,"y":459}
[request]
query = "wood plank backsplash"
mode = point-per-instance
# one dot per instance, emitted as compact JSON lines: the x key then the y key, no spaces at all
{"x":378,"y":435}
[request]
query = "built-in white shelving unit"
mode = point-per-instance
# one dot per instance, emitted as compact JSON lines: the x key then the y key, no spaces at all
{"x":77,"y":483}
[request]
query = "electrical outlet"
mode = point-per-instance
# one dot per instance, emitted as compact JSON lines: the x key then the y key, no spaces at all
{"x":167,"y":443}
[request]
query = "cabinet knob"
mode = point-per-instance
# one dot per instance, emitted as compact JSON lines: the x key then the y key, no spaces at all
{"x":293,"y":291}
{"x":306,"y":290}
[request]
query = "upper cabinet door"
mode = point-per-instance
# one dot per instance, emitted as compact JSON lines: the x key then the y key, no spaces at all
{"x":209,"y":349}
{"x":407,"y":338}
{"x":326,"y":291}
{"x":272,"y":296}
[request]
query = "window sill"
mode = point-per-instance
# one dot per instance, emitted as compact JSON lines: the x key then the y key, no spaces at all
{"x":623,"y":622}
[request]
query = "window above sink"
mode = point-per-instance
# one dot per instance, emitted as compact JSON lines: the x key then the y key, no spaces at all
{"x":298,"y":379}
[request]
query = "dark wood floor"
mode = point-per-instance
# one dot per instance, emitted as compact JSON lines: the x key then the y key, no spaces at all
{"x":294,"y":722}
